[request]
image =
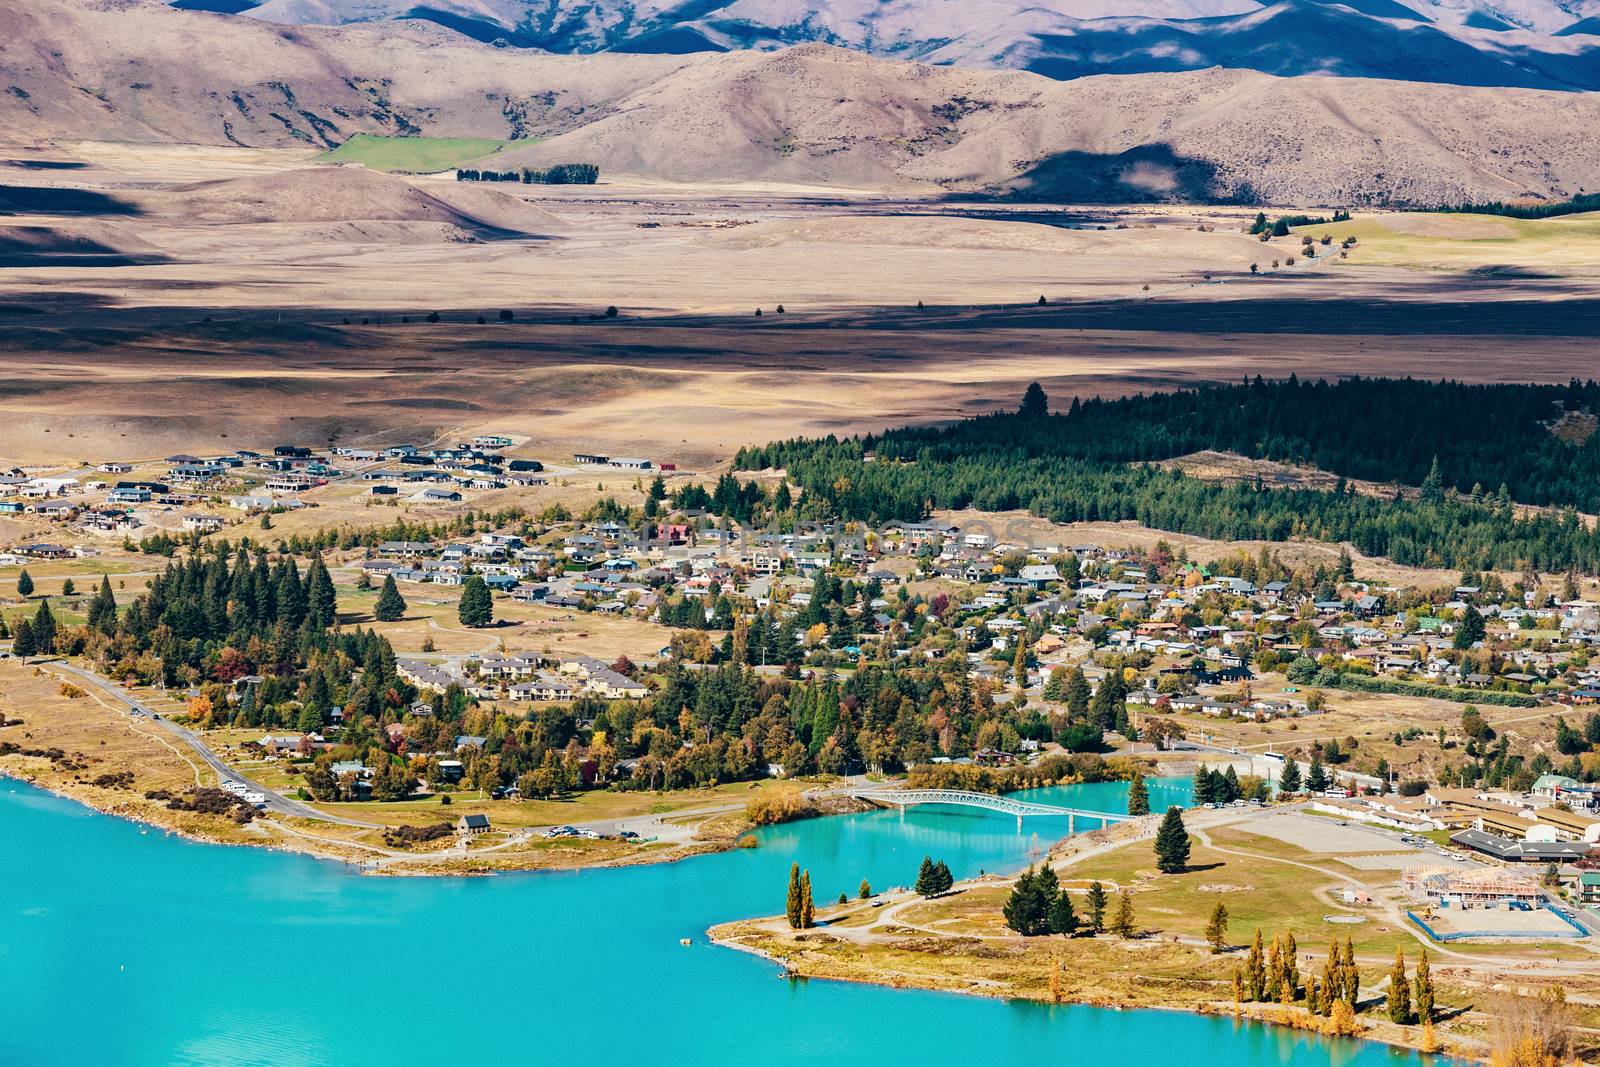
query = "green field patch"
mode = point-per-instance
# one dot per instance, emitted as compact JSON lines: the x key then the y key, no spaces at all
{"x":413,"y":155}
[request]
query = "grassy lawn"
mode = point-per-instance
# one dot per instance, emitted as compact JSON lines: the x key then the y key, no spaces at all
{"x":432,"y":614}
{"x":586,"y":807}
{"x":413,"y":155}
{"x":1462,"y":241}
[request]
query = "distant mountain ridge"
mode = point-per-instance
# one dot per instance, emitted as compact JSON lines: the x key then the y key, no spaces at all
{"x":1544,"y":44}
{"x":129,"y":70}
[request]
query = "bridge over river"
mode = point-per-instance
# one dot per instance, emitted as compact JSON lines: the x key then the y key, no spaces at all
{"x":903,"y":798}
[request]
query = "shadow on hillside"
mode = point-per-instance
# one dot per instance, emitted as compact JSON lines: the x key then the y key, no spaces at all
{"x":47,"y":200}
{"x":1146,"y":174}
{"x":45,"y":164}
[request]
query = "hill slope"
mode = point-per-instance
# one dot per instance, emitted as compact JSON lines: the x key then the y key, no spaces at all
{"x":1463,"y":42}
{"x":820,"y":114}
{"x":127,"y":70}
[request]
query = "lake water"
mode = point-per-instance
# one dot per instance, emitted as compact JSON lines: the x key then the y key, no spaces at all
{"x":122,"y":947}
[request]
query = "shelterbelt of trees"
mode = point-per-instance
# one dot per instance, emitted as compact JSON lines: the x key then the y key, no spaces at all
{"x":1094,"y":463}
{"x":213,"y":619}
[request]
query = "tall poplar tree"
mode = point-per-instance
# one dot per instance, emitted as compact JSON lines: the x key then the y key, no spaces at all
{"x":1399,"y":990}
{"x":794,"y":909}
{"x":808,"y":907}
{"x":1424,"y":989}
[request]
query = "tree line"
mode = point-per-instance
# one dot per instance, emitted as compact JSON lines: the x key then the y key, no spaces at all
{"x":1577,"y":205}
{"x":560,"y":174}
{"x":1098,"y":462}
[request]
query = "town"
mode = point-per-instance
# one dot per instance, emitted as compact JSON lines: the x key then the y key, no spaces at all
{"x":472,"y":657}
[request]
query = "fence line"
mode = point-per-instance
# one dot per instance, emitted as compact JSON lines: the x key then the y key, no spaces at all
{"x":1579,"y":931}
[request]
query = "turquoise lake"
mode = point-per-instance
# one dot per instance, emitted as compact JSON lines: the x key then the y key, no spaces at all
{"x":125,"y":947}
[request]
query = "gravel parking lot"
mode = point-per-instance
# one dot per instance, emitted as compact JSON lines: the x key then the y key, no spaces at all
{"x":1318,"y":834}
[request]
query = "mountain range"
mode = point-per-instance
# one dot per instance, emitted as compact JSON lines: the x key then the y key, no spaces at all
{"x":1548,"y":44}
{"x":140,"y":71}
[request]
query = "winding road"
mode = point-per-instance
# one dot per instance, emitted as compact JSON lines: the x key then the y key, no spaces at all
{"x":276,"y":802}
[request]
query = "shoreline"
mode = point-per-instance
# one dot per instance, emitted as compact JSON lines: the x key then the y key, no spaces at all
{"x":290,"y":839}
{"x":909,"y":956}
{"x":85,"y":747}
{"x":1213,"y":1010}
{"x":735,"y":934}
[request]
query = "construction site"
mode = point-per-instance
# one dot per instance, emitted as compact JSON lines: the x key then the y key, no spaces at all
{"x":1460,"y":905}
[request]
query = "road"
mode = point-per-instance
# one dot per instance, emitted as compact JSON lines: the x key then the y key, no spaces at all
{"x":276,"y":802}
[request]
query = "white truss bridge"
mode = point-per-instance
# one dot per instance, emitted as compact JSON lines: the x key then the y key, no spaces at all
{"x":904,"y":798}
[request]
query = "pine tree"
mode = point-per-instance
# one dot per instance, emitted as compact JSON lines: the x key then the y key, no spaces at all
{"x":1109,"y":700}
{"x":44,"y":630}
{"x":1063,"y":920}
{"x":1097,"y":907}
{"x":314,"y":709}
{"x":1138,"y":796}
{"x":1027,"y":909}
{"x":1077,"y":699}
{"x":794,"y":909}
{"x":1289,"y":779}
{"x":321,"y":599}
{"x":1122,"y":923}
{"x":103,"y":608}
{"x":476,"y":607}
{"x":1316,"y":777}
{"x":1470,"y":631}
{"x":1034,"y":402}
{"x":22,"y":645}
{"x":1399,"y":990}
{"x":24,"y":584}
{"x":1424,"y":989}
{"x":1217,"y":928}
{"x":1433,"y":485}
{"x":944,"y":881}
{"x":808,"y":907}
{"x":926,"y":881}
{"x":391,"y":605}
{"x":1172,"y":843}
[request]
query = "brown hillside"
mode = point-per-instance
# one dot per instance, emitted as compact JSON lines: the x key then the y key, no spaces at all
{"x":129,"y":70}
{"x":346,"y":194}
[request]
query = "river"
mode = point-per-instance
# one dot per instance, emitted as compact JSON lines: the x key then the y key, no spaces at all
{"x":124,"y":946}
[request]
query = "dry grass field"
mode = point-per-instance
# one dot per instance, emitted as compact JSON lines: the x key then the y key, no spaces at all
{"x":162,"y":299}
{"x":959,"y":942}
{"x":1372,"y":720}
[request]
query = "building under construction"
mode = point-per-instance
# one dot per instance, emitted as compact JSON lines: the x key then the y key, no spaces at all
{"x":1452,"y":887}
